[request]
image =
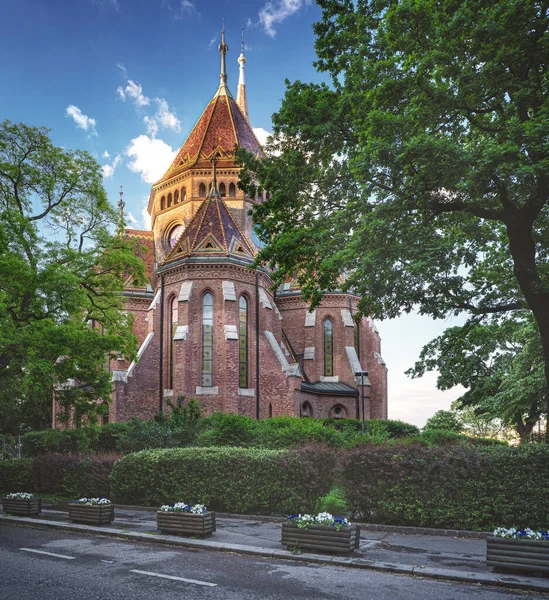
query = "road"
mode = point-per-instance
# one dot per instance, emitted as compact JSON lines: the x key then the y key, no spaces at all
{"x":51,"y":565}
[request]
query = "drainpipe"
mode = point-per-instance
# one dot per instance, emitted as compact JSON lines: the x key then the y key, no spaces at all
{"x":257,"y":345}
{"x":161,"y":369}
{"x":351,"y":311}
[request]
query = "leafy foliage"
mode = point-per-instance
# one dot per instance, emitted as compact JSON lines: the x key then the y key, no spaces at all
{"x":445,"y":420}
{"x":61,"y":274}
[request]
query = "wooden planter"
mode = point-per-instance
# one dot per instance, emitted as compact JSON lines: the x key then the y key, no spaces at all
{"x":321,"y":538}
{"x":186,"y":524}
{"x":518,"y":555}
{"x":91,"y":514}
{"x":22,"y":507}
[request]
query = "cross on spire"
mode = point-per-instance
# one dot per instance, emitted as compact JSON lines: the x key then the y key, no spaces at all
{"x":223,"y":49}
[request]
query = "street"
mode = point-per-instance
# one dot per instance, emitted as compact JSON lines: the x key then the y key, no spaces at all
{"x":50,"y":565}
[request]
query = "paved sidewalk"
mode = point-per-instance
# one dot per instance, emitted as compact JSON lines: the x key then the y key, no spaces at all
{"x":434,"y":556}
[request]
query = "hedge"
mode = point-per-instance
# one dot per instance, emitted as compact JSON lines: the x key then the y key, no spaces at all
{"x":236,"y":480}
{"x":16,"y":475}
{"x":453,"y":487}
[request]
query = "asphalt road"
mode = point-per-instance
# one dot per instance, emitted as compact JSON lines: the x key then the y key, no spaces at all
{"x":50,"y":565}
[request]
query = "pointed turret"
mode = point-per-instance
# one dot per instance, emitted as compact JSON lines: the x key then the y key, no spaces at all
{"x":223,"y":49}
{"x":241,"y":92}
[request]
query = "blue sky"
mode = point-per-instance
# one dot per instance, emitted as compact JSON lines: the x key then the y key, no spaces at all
{"x":127,"y":80}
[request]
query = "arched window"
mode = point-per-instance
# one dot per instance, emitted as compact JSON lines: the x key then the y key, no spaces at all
{"x":243,"y":342}
{"x":207,"y":339}
{"x":169,"y":199}
{"x":173,"y":327}
{"x":222,"y":190}
{"x":306,"y":410}
{"x":176,"y":197}
{"x":183,"y":194}
{"x":328,"y":348}
{"x":270,"y":411}
{"x":357,"y":340}
{"x":232,"y":190}
{"x":202,"y":190}
{"x":338,"y":412}
{"x":163,"y":203}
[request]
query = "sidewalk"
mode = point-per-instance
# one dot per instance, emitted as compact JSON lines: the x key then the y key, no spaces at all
{"x":447,"y":557}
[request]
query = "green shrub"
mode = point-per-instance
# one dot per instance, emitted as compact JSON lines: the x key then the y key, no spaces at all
{"x":237,"y":480}
{"x":457,"y":486}
{"x":333,"y":502}
{"x":227,"y":430}
{"x":442,"y":437}
{"x":16,"y":475}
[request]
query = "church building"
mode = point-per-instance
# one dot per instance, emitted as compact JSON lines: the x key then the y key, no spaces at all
{"x":209,"y":325}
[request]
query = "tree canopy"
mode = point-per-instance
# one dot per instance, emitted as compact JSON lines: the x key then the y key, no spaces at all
{"x":421,"y":171}
{"x":61,"y":274}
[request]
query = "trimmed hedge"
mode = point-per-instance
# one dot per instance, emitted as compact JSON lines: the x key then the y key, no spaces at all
{"x":452,"y":487}
{"x":237,"y":480}
{"x":16,"y":475}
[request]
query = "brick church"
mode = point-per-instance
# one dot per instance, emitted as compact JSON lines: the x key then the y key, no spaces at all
{"x":209,"y":326}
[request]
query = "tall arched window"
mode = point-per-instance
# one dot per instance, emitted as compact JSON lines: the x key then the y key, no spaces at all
{"x":357,"y":340}
{"x":173,"y":327}
{"x":328,"y":348}
{"x":243,"y":342}
{"x":202,"y":190}
{"x":163,"y":203}
{"x":176,"y":197}
{"x":183,"y":194}
{"x":207,"y":339}
{"x":232,"y":190}
{"x":169,"y":199}
{"x":222,"y":190}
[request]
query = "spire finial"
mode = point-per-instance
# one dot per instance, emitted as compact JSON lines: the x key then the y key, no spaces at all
{"x":223,"y":49}
{"x":241,"y":92}
{"x":242,"y":40}
{"x":121,"y":205}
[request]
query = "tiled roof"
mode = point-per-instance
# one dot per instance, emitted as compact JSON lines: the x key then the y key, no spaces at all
{"x":213,"y":233}
{"x":332,"y":388}
{"x":220,"y":127}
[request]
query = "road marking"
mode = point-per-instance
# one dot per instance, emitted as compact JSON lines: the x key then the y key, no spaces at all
{"x":48,"y":553}
{"x":173,"y":577}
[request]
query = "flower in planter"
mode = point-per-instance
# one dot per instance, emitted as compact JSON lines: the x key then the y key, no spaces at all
{"x":20,"y":496}
{"x":521,"y":534}
{"x":324,"y":518}
{"x":92,"y":501}
{"x":197,"y":509}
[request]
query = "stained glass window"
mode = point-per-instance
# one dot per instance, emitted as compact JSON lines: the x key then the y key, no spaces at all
{"x":173,"y":327}
{"x":328,"y":348}
{"x":243,"y":343}
{"x":207,"y":340}
{"x":357,"y":340}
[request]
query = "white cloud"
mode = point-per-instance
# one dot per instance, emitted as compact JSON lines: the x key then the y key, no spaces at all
{"x":134,"y":91}
{"x":108,"y":170}
{"x":151,"y":156}
{"x":131,"y":219}
{"x":152,"y":126}
{"x":82,"y":121}
{"x":277,"y":11}
{"x":122,"y":68}
{"x":145,"y":217}
{"x":212,"y":42}
{"x":107,"y":4}
{"x":188,"y":6}
{"x":106,"y":154}
{"x":261,"y":135}
{"x":167,"y":119}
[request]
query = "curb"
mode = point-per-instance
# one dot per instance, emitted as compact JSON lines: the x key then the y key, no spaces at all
{"x":469,"y":577}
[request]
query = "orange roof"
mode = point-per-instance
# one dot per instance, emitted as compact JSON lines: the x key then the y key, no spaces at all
{"x":221,"y":127}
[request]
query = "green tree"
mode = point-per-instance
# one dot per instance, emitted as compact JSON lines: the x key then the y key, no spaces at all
{"x":422,"y":172}
{"x":499,"y":363}
{"x":446,"y":420}
{"x":61,"y":274}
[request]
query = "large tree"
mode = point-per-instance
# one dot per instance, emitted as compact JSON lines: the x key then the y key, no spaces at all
{"x":61,"y":274}
{"x":422,"y":171}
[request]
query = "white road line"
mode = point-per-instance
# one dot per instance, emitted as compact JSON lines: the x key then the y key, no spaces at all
{"x":48,"y":553}
{"x":173,"y":577}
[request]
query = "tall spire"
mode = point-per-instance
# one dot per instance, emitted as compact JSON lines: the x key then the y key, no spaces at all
{"x":121,"y":205}
{"x":241,"y":93}
{"x":223,"y":49}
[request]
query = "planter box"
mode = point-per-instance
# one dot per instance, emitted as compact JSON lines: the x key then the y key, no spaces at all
{"x":21,"y":507}
{"x":94,"y":514}
{"x":518,"y":555}
{"x":186,"y":524}
{"x":321,"y":538}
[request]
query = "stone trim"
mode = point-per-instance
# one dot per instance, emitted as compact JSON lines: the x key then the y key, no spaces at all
{"x":380,"y":360}
{"x":207,"y":391}
{"x":276,"y":349}
{"x":372,"y":325}
{"x":347,"y":318}
{"x":246,"y":392}
{"x":168,"y":393}
{"x":231,"y":332}
{"x":264,"y":299}
{"x":155,"y":301}
{"x":229,"y":293}
{"x":333,"y":379}
{"x":181,"y":332}
{"x":140,"y":352}
{"x":309,"y":353}
{"x":353,"y":359}
{"x":186,"y":290}
{"x":310,"y":318}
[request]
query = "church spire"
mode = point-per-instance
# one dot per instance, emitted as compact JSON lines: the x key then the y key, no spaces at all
{"x":121,"y":205}
{"x":223,"y":49}
{"x":241,"y":93}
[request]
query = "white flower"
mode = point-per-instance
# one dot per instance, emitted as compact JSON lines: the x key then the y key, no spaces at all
{"x":20,"y":496}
